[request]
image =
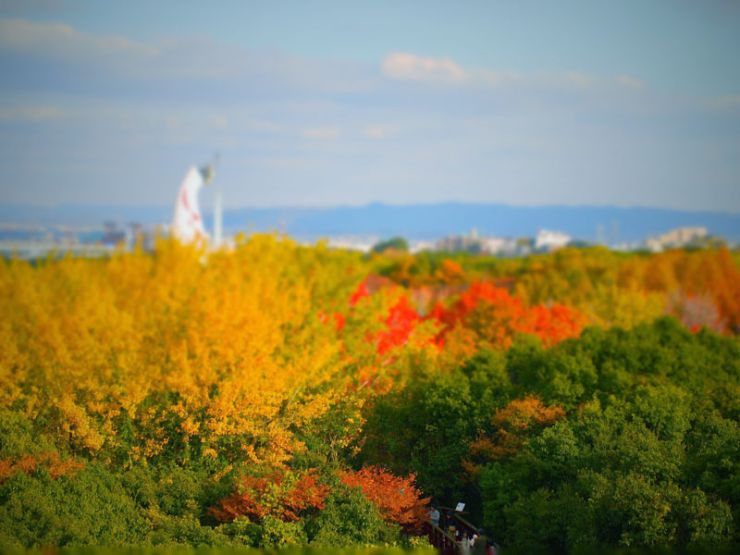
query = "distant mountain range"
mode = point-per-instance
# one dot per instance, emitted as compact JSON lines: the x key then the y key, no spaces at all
{"x":416,"y":221}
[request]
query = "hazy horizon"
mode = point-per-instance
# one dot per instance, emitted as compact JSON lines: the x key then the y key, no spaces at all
{"x":207,"y":205}
{"x":414,"y":221}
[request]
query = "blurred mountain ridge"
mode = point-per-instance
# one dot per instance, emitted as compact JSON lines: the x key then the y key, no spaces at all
{"x":611,"y":224}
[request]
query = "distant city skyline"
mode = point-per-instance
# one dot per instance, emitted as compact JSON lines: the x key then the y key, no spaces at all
{"x":335,"y":103}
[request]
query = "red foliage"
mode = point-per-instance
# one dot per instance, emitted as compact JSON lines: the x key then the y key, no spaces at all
{"x":554,"y":323}
{"x":337,"y":318}
{"x":280,"y":494}
{"x":397,"y":498}
{"x":400,"y":322}
{"x":495,"y":316}
{"x":488,"y":313}
{"x":360,"y":293}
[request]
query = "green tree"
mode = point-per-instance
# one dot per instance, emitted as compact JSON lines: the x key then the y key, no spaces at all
{"x":397,"y":244}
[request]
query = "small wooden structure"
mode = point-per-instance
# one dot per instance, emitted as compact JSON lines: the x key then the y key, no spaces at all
{"x":452,"y":528}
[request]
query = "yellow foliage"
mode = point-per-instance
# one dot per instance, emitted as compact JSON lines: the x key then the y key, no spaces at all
{"x":184,"y":343}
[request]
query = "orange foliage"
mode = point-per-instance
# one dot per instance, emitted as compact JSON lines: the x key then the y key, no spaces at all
{"x":520,"y":414}
{"x":282,"y":494}
{"x":513,"y":423}
{"x":397,"y":498}
{"x":555,"y":323}
{"x":709,"y":275}
{"x":360,"y":293}
{"x":378,"y":330}
{"x":450,"y":272}
{"x":6,"y":469}
{"x":54,"y":464}
{"x":400,"y":322}
{"x":496,"y":317}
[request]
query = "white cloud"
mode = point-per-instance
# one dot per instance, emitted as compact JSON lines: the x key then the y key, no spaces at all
{"x":404,"y":66}
{"x":410,"y":67}
{"x":321,"y":133}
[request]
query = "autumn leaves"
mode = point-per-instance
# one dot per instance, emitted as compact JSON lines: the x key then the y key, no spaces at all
{"x":261,"y":367}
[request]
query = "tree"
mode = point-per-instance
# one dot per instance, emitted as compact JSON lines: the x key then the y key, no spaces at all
{"x":395,"y":244}
{"x":397,"y":498}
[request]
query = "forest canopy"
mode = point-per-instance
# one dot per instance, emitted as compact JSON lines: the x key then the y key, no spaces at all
{"x":276,"y":394}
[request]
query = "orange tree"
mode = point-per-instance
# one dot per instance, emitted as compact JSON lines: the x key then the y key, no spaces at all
{"x":492,"y":317}
{"x":397,"y":498}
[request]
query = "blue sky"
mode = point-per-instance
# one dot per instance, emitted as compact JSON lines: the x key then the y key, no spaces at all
{"x":325,"y":103}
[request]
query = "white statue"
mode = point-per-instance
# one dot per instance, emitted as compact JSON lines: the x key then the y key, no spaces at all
{"x":187,"y":223}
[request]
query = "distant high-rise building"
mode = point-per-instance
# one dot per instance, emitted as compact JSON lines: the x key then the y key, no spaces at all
{"x":677,"y":238}
{"x":551,"y":240}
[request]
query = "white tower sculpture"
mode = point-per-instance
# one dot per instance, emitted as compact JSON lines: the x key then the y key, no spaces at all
{"x":187,"y":223}
{"x":217,"y":219}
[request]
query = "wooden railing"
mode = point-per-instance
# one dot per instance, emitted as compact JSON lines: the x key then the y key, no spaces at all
{"x":442,"y":540}
{"x":451,"y":529}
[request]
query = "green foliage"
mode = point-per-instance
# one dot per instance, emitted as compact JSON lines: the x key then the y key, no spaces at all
{"x":421,"y":549}
{"x":557,"y":375}
{"x":713,"y":455}
{"x":441,"y":414}
{"x":175,"y":490}
{"x":350,"y":519}
{"x":277,"y":533}
{"x":182,"y":530}
{"x":398,"y":244}
{"x":19,"y":436}
{"x":98,"y":506}
{"x":646,"y":456}
{"x":90,"y":508}
{"x":242,"y":531}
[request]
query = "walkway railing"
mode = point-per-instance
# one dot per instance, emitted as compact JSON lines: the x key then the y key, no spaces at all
{"x":452,"y":528}
{"x":442,"y":540}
